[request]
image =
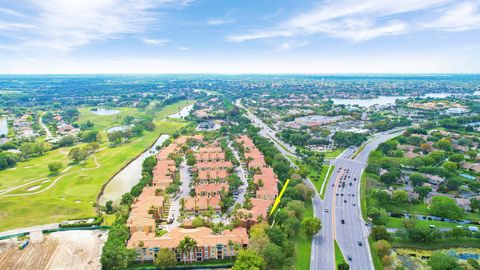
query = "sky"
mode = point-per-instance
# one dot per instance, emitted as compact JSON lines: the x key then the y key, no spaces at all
{"x":239,"y":36}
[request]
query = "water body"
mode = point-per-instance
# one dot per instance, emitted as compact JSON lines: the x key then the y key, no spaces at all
{"x":103,"y":111}
{"x":368,"y":102}
{"x":3,"y":126}
{"x":129,"y":176}
{"x":184,"y":112}
{"x":437,"y":95}
{"x":119,"y":128}
{"x":385,"y":100}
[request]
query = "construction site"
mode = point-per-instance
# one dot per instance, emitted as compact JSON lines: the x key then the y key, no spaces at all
{"x":58,"y":250}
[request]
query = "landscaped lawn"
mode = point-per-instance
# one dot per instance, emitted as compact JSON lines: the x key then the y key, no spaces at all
{"x":74,"y":195}
{"x":397,"y":223}
{"x":335,"y":153}
{"x":339,"y":258}
{"x":303,"y":244}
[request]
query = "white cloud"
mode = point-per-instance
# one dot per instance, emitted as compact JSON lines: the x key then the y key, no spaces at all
{"x":61,"y":25}
{"x":361,"y":20}
{"x":216,"y":21}
{"x":461,"y":17}
{"x":152,"y":41}
{"x":183,"y":48}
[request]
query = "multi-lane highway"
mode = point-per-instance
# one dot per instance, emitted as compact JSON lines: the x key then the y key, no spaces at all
{"x":340,"y":209}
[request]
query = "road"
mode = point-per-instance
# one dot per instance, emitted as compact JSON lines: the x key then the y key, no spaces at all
{"x":352,"y":233}
{"x":185,"y":178}
{"x":343,"y":221}
{"x":47,"y":131}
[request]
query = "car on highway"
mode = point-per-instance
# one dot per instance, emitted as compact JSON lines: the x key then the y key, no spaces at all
{"x":360,"y":243}
{"x":326,"y":210}
{"x":349,"y":257}
{"x":345,"y":201}
{"x":343,"y":221}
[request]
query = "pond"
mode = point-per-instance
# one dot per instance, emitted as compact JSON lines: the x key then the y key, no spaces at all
{"x":3,"y":126}
{"x":103,"y":111}
{"x":184,"y":112}
{"x":119,"y":128}
{"x":129,"y":176}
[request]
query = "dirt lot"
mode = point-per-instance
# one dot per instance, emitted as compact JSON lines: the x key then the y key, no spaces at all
{"x":59,"y":250}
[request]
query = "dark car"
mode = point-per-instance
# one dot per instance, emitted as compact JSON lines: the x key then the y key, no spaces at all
{"x":349,"y":257}
{"x":360,"y":243}
{"x":343,"y":221}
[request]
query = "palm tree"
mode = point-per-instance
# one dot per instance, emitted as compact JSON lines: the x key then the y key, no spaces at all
{"x":182,"y":247}
{"x":191,"y":245}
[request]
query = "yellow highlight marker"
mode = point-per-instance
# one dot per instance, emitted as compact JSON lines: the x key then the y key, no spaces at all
{"x":277,"y":200}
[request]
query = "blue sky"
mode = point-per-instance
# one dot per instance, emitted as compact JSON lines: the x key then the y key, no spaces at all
{"x":230,"y":36}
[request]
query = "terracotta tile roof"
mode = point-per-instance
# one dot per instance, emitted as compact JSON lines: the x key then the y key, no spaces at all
{"x":202,"y":235}
{"x":209,"y":188}
{"x":213,"y":165}
{"x":202,"y":203}
{"x":212,"y":175}
{"x":259,"y":208}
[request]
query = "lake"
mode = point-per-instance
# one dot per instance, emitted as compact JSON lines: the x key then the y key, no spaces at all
{"x":384,"y":100}
{"x":368,"y":102}
{"x":123,"y":181}
{"x":3,"y":126}
{"x":184,"y":112}
{"x":103,"y":111}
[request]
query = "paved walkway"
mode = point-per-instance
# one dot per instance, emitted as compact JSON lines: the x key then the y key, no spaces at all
{"x":30,"y":229}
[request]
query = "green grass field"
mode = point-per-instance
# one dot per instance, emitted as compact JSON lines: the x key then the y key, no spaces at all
{"x":397,"y":223}
{"x":335,"y":153}
{"x":324,"y":172}
{"x":303,"y":244}
{"x":74,"y":194}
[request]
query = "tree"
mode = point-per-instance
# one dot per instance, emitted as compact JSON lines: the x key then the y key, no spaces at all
{"x":387,"y":260}
{"x":379,"y":216}
{"x":423,"y":191}
{"x":55,"y":167}
{"x":383,"y":197}
{"x":383,"y":247}
{"x":274,"y":257}
{"x":443,"y":144}
{"x":165,"y":259}
{"x":276,"y":235}
{"x":445,"y":207}
{"x":450,"y":166}
{"x":343,"y":266}
{"x":475,"y":204}
{"x":77,"y":154}
{"x":441,"y":261}
{"x":400,"y":197}
{"x":67,"y":140}
{"x":380,"y":233}
{"x":418,"y":179}
{"x":109,"y":207}
{"x":248,"y":260}
{"x":390,"y":177}
{"x":456,"y":158}
{"x":90,"y":136}
{"x":304,"y":191}
{"x":312,"y":226}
